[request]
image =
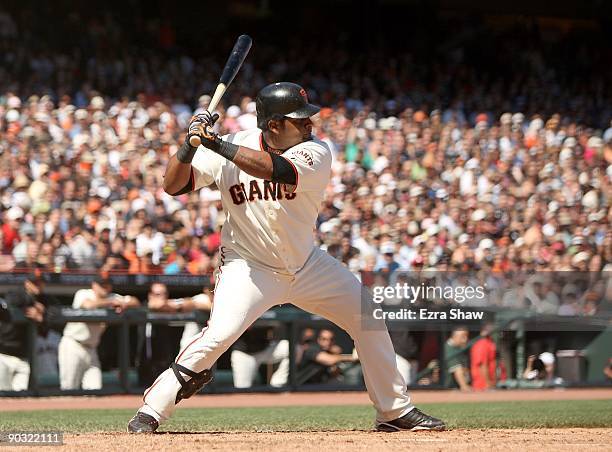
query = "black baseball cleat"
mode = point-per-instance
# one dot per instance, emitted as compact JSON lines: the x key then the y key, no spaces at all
{"x":142,"y":423}
{"x":413,"y":421}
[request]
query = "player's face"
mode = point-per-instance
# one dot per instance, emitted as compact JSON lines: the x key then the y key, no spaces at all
{"x":294,"y":131}
{"x":158,"y":291}
{"x":101,"y":290}
{"x":326,"y":340}
{"x":461,"y":337}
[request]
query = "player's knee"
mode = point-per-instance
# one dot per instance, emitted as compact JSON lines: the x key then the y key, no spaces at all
{"x":222,"y":342}
{"x":208,"y":344}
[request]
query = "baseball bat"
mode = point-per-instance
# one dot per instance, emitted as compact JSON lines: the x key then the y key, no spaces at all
{"x":234,"y":62}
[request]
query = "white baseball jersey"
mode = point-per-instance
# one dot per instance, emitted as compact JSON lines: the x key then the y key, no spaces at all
{"x":268,"y":223}
{"x":87,"y":334}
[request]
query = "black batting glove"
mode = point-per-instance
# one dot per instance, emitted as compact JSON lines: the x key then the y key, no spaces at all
{"x":209,"y":139}
{"x":212,"y":141}
{"x":205,"y":119}
{"x":201,"y":126}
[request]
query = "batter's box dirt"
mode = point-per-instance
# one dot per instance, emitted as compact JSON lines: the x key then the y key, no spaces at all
{"x":454,"y":440}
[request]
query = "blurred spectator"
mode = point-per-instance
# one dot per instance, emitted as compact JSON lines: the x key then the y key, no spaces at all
{"x":10,"y":229}
{"x":569,"y":301}
{"x":540,"y":296}
{"x":386,"y":262}
{"x":319,"y":363}
{"x":248,"y":119}
{"x":79,"y":366}
{"x":343,"y":251}
{"x":177,"y":266}
{"x":308,"y":338}
{"x":457,"y":373}
{"x":149,"y":242}
{"x":14,"y":364}
{"x":147,"y":266}
{"x":158,"y":301}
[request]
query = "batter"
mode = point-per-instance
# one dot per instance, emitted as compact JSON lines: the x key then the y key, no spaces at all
{"x":272,"y":180}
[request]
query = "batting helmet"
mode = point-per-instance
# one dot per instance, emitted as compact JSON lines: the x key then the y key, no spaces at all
{"x":283,"y":99}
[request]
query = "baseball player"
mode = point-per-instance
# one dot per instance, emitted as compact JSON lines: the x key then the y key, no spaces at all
{"x":272,"y":179}
{"x":31,"y":300}
{"x":252,"y":350}
{"x":79,"y":365}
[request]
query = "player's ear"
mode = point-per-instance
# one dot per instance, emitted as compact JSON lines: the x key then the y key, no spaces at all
{"x":274,"y":125}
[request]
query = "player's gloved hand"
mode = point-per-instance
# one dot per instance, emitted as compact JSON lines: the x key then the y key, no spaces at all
{"x":206,"y":135}
{"x":201,"y":125}
{"x":206,"y":119}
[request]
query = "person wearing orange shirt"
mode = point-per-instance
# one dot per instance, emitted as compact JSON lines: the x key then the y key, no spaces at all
{"x":483,"y":362}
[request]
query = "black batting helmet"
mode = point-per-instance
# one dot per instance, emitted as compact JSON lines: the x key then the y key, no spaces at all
{"x":283,"y":99}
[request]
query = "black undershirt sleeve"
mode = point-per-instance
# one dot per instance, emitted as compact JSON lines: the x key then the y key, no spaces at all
{"x":282,"y":171}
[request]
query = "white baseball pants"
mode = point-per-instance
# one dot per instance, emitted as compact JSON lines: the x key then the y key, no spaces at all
{"x":189,"y":330}
{"x":14,"y":373}
{"x":79,"y":366}
{"x":323,"y":287}
{"x":245,"y":366}
{"x":408,"y":369}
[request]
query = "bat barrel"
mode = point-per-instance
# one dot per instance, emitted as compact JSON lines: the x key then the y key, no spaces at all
{"x":233,"y":65}
{"x":236,"y":58}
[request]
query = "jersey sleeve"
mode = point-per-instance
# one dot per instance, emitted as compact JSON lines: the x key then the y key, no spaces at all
{"x":311,"y":162}
{"x":79,"y":298}
{"x":206,"y":167}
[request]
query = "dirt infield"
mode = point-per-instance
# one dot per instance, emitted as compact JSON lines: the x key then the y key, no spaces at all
{"x":599,"y":439}
{"x":490,"y":439}
{"x":305,"y":399}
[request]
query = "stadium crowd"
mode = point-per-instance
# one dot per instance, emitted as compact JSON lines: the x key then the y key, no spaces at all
{"x":437,"y":163}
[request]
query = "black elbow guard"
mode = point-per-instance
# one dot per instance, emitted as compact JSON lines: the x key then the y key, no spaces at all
{"x":283,"y":171}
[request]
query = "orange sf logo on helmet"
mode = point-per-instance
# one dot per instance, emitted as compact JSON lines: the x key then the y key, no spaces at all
{"x":303,"y":94}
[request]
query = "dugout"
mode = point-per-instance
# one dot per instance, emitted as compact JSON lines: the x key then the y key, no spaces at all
{"x":119,"y":345}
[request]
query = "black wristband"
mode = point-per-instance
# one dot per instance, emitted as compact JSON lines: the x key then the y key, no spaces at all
{"x":186,"y":152}
{"x":223,"y":148}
